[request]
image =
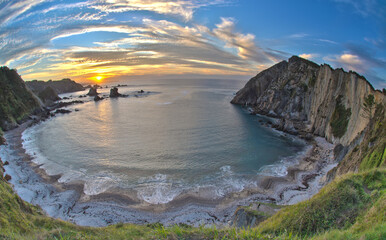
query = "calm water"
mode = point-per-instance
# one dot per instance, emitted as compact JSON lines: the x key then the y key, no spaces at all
{"x":186,"y":138}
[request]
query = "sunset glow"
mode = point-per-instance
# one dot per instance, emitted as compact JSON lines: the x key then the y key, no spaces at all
{"x":207,"y":39}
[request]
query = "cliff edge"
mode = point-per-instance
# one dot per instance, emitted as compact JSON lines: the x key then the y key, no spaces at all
{"x":323,"y":101}
{"x":17,"y":102}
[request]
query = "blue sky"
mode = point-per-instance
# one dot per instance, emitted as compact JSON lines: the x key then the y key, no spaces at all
{"x":122,"y":39}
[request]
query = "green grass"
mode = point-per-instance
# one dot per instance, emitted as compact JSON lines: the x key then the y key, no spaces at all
{"x":336,"y":206}
{"x":340,"y":118}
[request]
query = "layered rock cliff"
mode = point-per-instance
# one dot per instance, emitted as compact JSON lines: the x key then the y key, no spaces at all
{"x":324,"y":101}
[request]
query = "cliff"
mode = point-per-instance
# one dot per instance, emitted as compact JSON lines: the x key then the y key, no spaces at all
{"x":323,"y":101}
{"x":17,"y":102}
{"x":63,"y":86}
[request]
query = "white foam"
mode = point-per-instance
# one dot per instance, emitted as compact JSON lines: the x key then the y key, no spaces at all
{"x":164,"y":103}
{"x":157,"y":189}
{"x":280,"y":169}
{"x":98,"y":185}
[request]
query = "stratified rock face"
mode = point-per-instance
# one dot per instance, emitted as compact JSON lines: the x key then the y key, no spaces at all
{"x":16,"y":100}
{"x":114,"y":93}
{"x":62,"y":86}
{"x":302,"y":91}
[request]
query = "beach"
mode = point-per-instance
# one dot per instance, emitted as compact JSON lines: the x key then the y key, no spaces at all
{"x":68,"y":201}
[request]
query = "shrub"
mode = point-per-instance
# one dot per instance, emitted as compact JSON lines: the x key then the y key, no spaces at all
{"x":340,"y":118}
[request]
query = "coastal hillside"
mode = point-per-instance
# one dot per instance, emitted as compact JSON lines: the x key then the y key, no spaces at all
{"x":17,"y":102}
{"x":61,"y":86}
{"x":352,"y":206}
{"x":321,"y":100}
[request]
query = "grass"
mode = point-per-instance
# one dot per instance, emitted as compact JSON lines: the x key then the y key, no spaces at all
{"x":340,"y":118}
{"x":336,"y":206}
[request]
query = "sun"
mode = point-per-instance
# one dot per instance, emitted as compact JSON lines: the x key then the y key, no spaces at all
{"x":98,"y":78}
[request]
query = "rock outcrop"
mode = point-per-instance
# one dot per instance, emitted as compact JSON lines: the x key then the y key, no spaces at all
{"x":17,"y":102}
{"x":62,"y":86}
{"x":93,"y":91}
{"x":318,"y":99}
{"x":114,"y":93}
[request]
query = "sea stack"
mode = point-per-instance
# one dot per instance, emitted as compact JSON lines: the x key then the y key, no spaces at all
{"x":114,"y":93}
{"x":93,"y":91}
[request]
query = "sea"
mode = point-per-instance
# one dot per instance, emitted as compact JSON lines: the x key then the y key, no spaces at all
{"x":180,"y":137}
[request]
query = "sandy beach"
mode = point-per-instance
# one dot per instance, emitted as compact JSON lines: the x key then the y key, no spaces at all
{"x":68,"y":201}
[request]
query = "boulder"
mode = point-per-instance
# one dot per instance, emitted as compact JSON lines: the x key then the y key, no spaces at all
{"x":97,"y":98}
{"x":93,"y":91}
{"x":114,"y":93}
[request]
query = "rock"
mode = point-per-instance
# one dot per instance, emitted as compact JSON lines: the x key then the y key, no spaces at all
{"x":6,"y":163}
{"x":62,"y":111}
{"x":93,"y":91}
{"x":114,"y":93}
{"x":141,"y":91}
{"x":62,"y":86}
{"x":297,"y":90}
{"x":7,"y":177}
{"x":97,"y":98}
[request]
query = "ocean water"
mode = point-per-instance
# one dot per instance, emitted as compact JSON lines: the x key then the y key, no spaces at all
{"x":184,"y":138}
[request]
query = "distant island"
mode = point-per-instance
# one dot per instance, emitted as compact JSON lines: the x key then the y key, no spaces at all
{"x":301,"y":98}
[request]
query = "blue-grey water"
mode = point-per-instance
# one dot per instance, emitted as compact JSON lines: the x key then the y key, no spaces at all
{"x":185,"y":138}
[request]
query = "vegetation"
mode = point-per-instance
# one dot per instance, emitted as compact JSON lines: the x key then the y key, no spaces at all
{"x":16,"y":102}
{"x":368,"y":106}
{"x":337,"y":206}
{"x":340,"y":118}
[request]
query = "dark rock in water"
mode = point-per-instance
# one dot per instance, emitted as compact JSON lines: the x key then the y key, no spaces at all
{"x":6,"y":163}
{"x":76,"y":110}
{"x":93,"y":91}
{"x":141,"y":91}
{"x":97,"y":98}
{"x":62,"y":111}
{"x":7,"y":177}
{"x":114,"y":93}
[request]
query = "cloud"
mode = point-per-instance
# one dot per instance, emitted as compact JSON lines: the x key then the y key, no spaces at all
{"x":50,"y":47}
{"x":359,"y":59}
{"x":10,"y":10}
{"x":182,"y":8}
{"x":243,"y":43}
{"x":366,"y":7}
{"x":298,"y":35}
{"x":308,"y":55}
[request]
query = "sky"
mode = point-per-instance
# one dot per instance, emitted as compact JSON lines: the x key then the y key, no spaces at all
{"x":117,"y":40}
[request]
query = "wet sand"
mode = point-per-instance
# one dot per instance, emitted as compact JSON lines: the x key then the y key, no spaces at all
{"x":68,"y":201}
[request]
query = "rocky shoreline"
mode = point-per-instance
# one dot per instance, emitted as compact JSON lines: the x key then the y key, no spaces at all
{"x":68,"y":201}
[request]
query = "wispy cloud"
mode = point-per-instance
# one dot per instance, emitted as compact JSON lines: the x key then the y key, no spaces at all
{"x":182,"y":8}
{"x":359,"y":59}
{"x":308,"y":55}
